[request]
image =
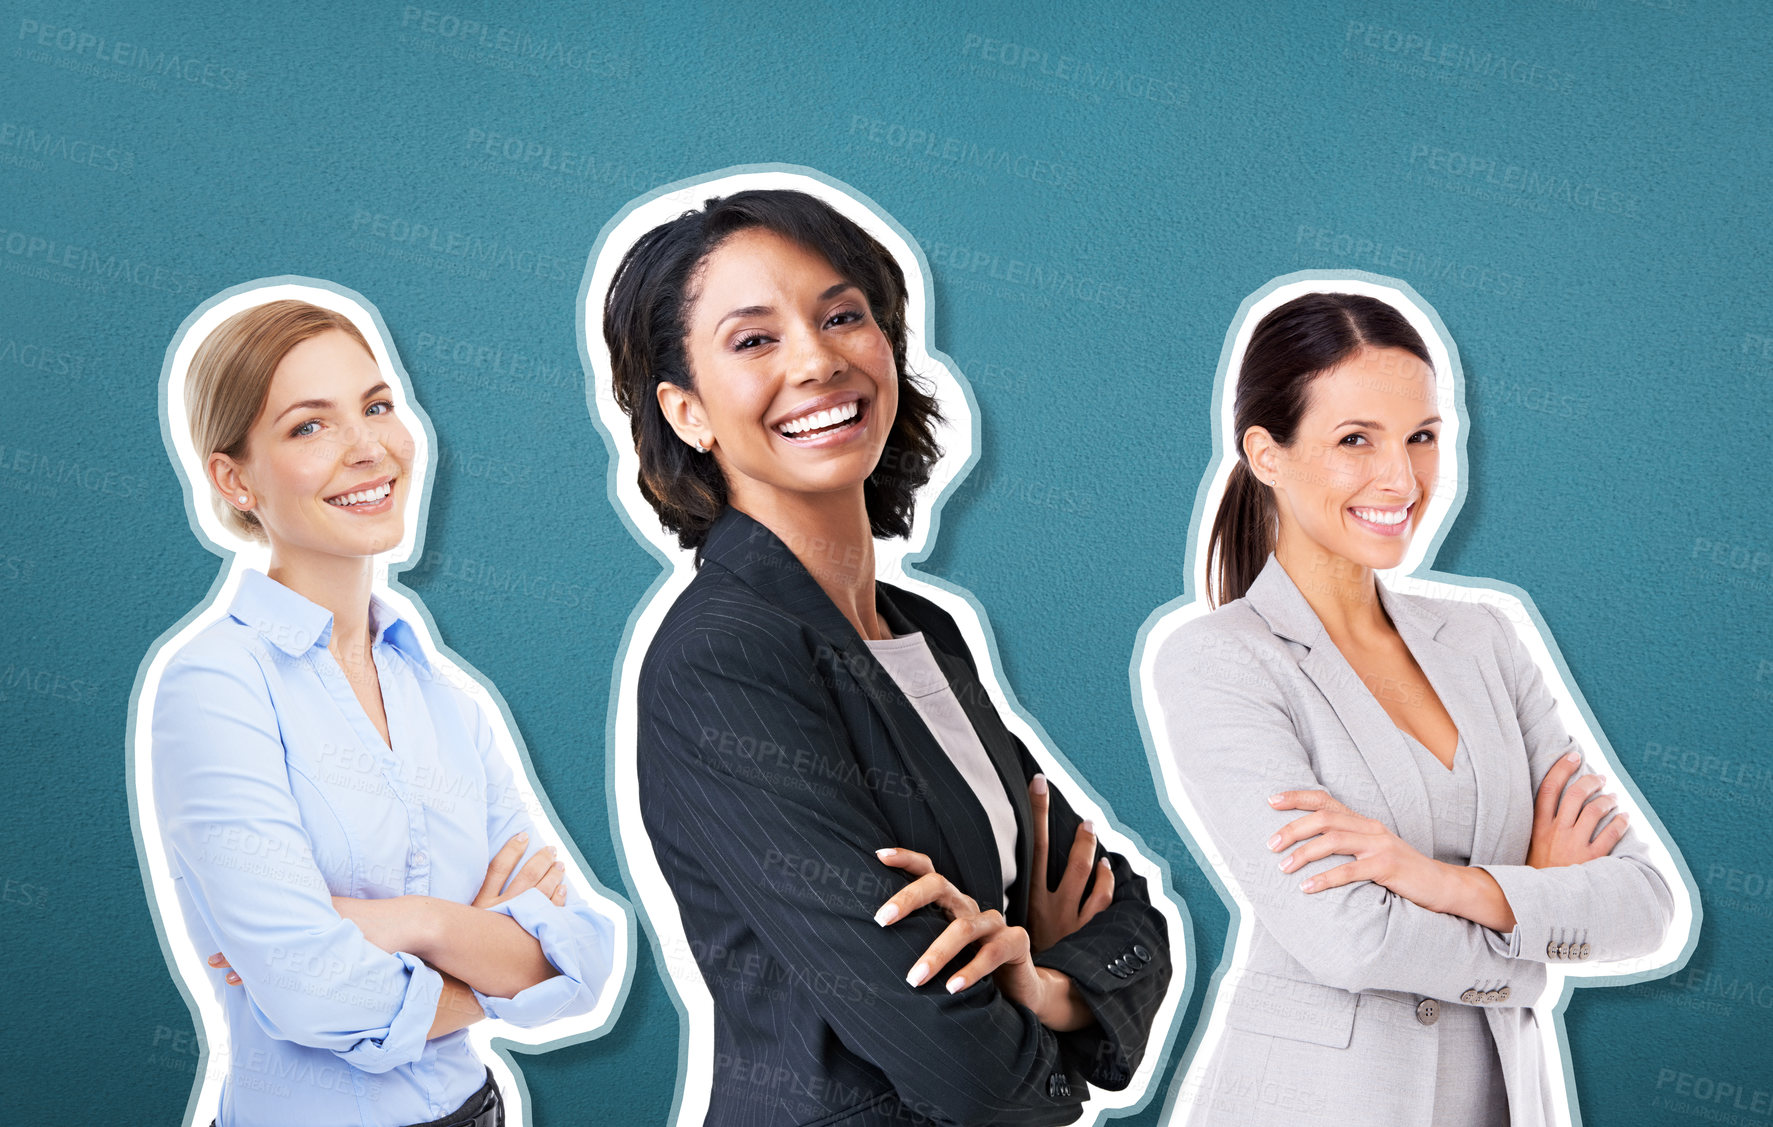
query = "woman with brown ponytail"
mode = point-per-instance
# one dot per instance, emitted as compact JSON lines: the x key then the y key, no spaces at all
{"x":1383,"y":777}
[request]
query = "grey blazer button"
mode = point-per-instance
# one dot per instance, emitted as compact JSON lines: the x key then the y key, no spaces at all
{"x":1582,"y":951}
{"x":1470,"y":997}
{"x":1428,"y":1011}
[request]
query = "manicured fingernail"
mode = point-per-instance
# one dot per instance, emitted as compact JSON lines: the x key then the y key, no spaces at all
{"x":1040,"y":784}
{"x":1274,"y":800}
{"x":1274,"y":843}
{"x":1310,"y":885}
{"x":883,"y":854}
{"x":918,"y":973}
{"x":215,"y":960}
{"x":523,"y":837}
{"x":1623,"y":817}
{"x":956,"y":984}
{"x":1573,"y":757}
{"x":887,"y":914}
{"x":1089,"y":828}
{"x":233,"y":979}
{"x":1286,"y":865}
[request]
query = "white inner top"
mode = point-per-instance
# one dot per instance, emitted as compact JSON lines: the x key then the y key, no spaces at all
{"x":908,"y":660}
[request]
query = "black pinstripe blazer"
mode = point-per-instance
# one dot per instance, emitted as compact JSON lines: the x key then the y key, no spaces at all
{"x":775,"y":757}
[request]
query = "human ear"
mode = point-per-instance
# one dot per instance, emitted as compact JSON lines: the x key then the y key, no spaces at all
{"x":683,"y":411}
{"x":1263,"y":454}
{"x":227,"y":477}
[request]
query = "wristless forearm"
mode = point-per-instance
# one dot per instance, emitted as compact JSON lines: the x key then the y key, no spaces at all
{"x":1473,"y":894}
{"x":487,"y":950}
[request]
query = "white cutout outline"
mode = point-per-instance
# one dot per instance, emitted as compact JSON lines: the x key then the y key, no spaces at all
{"x":896,"y":562}
{"x":1414,"y":575}
{"x":493,"y":1041}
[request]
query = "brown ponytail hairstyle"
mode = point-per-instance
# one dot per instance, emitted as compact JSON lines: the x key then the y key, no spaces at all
{"x":1295,"y":343}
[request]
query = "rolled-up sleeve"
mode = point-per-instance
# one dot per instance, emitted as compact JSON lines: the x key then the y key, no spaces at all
{"x":576,"y":939}
{"x":234,"y":835}
{"x":1612,"y":907}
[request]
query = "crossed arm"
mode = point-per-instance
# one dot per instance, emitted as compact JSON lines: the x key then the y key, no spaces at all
{"x":369,"y":980}
{"x":472,"y":949}
{"x":739,"y":738}
{"x":1391,"y":919}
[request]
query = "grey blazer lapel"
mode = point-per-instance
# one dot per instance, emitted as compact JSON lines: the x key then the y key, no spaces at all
{"x":1457,"y":677}
{"x":1277,"y":599}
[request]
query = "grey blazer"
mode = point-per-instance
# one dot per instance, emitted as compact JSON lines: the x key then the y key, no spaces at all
{"x":1330,"y":1020}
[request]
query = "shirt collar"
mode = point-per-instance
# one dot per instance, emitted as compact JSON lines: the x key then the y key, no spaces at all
{"x":295,"y":624}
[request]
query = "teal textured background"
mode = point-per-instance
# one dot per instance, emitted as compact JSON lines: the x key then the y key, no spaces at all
{"x":1580,"y":189}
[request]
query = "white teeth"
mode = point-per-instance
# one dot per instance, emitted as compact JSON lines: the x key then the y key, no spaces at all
{"x":830,"y":417}
{"x":363,"y":495}
{"x":1382,"y":516}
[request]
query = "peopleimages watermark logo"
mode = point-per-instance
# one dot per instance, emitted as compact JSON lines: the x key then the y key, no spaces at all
{"x":43,"y":42}
{"x":1442,"y":58}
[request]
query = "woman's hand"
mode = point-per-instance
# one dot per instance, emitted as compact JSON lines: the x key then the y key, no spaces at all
{"x":1564,"y":822}
{"x":1054,"y":914}
{"x":1385,"y":859}
{"x":542,"y":871}
{"x":217,"y":961}
{"x":1004,"y":951}
{"x":415,"y":923}
{"x":1379,"y":855}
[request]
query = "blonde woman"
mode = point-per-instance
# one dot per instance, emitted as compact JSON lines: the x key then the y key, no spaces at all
{"x":340,"y":827}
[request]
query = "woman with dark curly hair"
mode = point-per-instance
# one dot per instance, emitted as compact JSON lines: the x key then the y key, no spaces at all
{"x":850,"y":831}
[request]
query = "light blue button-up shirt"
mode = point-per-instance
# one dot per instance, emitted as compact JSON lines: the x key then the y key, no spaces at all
{"x":275,"y":792}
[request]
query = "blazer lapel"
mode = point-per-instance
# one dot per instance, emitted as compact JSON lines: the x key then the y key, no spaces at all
{"x":1458,"y":680}
{"x":997,"y":741}
{"x":1277,"y":599}
{"x":759,"y":557}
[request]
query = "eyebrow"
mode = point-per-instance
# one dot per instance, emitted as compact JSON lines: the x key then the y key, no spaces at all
{"x":760,"y":310}
{"x":324,"y":404}
{"x":1371,"y":425}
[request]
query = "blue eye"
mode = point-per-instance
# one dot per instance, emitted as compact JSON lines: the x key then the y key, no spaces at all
{"x":312,"y":426}
{"x":380,"y":407}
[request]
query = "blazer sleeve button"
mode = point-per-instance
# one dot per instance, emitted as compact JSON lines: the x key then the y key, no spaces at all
{"x":1582,"y":952}
{"x":1551,"y":949}
{"x":1502,"y":994}
{"x":1140,"y":953}
{"x":1470,"y":997}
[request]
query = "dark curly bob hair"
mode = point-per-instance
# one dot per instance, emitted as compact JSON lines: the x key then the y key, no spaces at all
{"x":644,"y":325}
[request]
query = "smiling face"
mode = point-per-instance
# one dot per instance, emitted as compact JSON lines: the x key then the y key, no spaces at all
{"x":1362,"y":463}
{"x":795,"y":385}
{"x":326,"y":460}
